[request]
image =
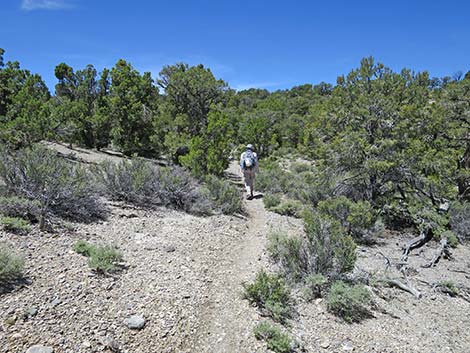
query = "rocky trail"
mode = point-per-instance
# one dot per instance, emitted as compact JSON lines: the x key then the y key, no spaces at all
{"x":227,"y":321}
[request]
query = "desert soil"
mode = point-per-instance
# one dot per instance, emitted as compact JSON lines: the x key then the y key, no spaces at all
{"x":184,"y":275}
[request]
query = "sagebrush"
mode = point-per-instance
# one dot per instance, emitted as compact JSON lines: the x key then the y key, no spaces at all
{"x":11,"y":265}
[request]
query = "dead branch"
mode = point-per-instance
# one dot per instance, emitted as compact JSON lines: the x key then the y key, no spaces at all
{"x":419,"y":241}
{"x":406,"y":287}
{"x":442,"y":251}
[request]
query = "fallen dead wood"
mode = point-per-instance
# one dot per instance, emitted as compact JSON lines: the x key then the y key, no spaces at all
{"x":443,"y":250}
{"x":419,"y":241}
{"x":406,"y":287}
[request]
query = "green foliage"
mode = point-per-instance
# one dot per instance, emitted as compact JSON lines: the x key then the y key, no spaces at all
{"x":325,"y":250}
{"x":84,"y":248}
{"x":449,"y":287}
{"x":15,"y":225}
{"x":11,"y":265}
{"x":349,"y":302}
{"x":358,"y":218}
{"x":101,"y":258}
{"x":270,"y":293}
{"x":144,"y":184}
{"x":208,"y":152}
{"x":276,"y":340}
{"x":135,"y":181}
{"x":271,"y":200}
{"x":459,"y":219}
{"x":315,"y":286}
{"x":225,"y":196}
{"x":452,"y":239}
{"x":19,"y":207}
{"x":179,"y":190}
{"x":291,"y":208}
{"x":60,"y":187}
{"x":288,"y":253}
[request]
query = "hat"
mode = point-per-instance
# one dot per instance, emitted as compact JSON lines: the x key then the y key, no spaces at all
{"x":249,"y":147}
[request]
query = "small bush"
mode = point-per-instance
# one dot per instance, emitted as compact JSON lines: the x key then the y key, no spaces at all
{"x":288,"y":253}
{"x":135,"y":181}
{"x":290,"y":208}
{"x":15,"y":225}
{"x":20,"y":207}
{"x":326,"y":249}
{"x":271,"y":200}
{"x":449,"y":287}
{"x":225,"y":196}
{"x":459,"y":219}
{"x":315,"y":286}
{"x":349,"y":302}
{"x":11,"y":265}
{"x":83,"y":248}
{"x":179,"y":190}
{"x":103,"y":258}
{"x":276,"y":340}
{"x":270,"y":293}
{"x":358,"y":218}
{"x":61,"y":188}
{"x":452,"y":239}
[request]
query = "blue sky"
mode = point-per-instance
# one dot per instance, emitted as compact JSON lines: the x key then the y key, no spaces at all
{"x":265,"y":44}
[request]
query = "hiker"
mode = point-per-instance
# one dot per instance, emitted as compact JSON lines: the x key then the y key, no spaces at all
{"x":249,"y":167}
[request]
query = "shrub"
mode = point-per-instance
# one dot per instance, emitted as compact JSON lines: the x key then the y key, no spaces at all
{"x":315,"y":286}
{"x":135,"y":181}
{"x":271,"y":200}
{"x":459,"y":219}
{"x":349,"y":302}
{"x":359,"y":218}
{"x":20,"y":207}
{"x":181,"y":191}
{"x":288,"y":253}
{"x":276,"y":340}
{"x":83,"y":248}
{"x":449,"y":287}
{"x":325,"y":250}
{"x":15,"y":225}
{"x":225,"y":196}
{"x":290,"y":208}
{"x":270,"y":294}
{"x":452,"y":239}
{"x":102,"y":258}
{"x":11,"y":265}
{"x":60,"y":187}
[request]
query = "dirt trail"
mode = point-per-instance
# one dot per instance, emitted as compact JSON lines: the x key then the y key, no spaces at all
{"x":227,"y":321}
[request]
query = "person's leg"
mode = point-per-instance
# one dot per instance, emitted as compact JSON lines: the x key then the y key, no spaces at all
{"x":248,"y":176}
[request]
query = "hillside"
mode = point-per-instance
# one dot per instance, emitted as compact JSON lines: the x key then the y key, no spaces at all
{"x":184,"y":275}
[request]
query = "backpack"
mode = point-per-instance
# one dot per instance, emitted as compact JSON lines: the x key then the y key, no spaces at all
{"x":249,"y":160}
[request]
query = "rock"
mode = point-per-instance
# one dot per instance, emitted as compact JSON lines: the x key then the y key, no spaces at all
{"x":32,"y":311}
{"x":348,"y":347}
{"x":135,"y":322}
{"x":169,"y":248}
{"x":40,"y":349}
{"x":111,"y":344}
{"x":16,"y":336}
{"x":325,"y":344}
{"x":86,"y":344}
{"x":318,"y":301}
{"x":56,"y":302}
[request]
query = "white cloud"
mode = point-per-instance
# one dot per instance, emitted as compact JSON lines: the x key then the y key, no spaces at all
{"x":30,"y":5}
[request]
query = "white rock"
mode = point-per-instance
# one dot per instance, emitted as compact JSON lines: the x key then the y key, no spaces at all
{"x":40,"y":349}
